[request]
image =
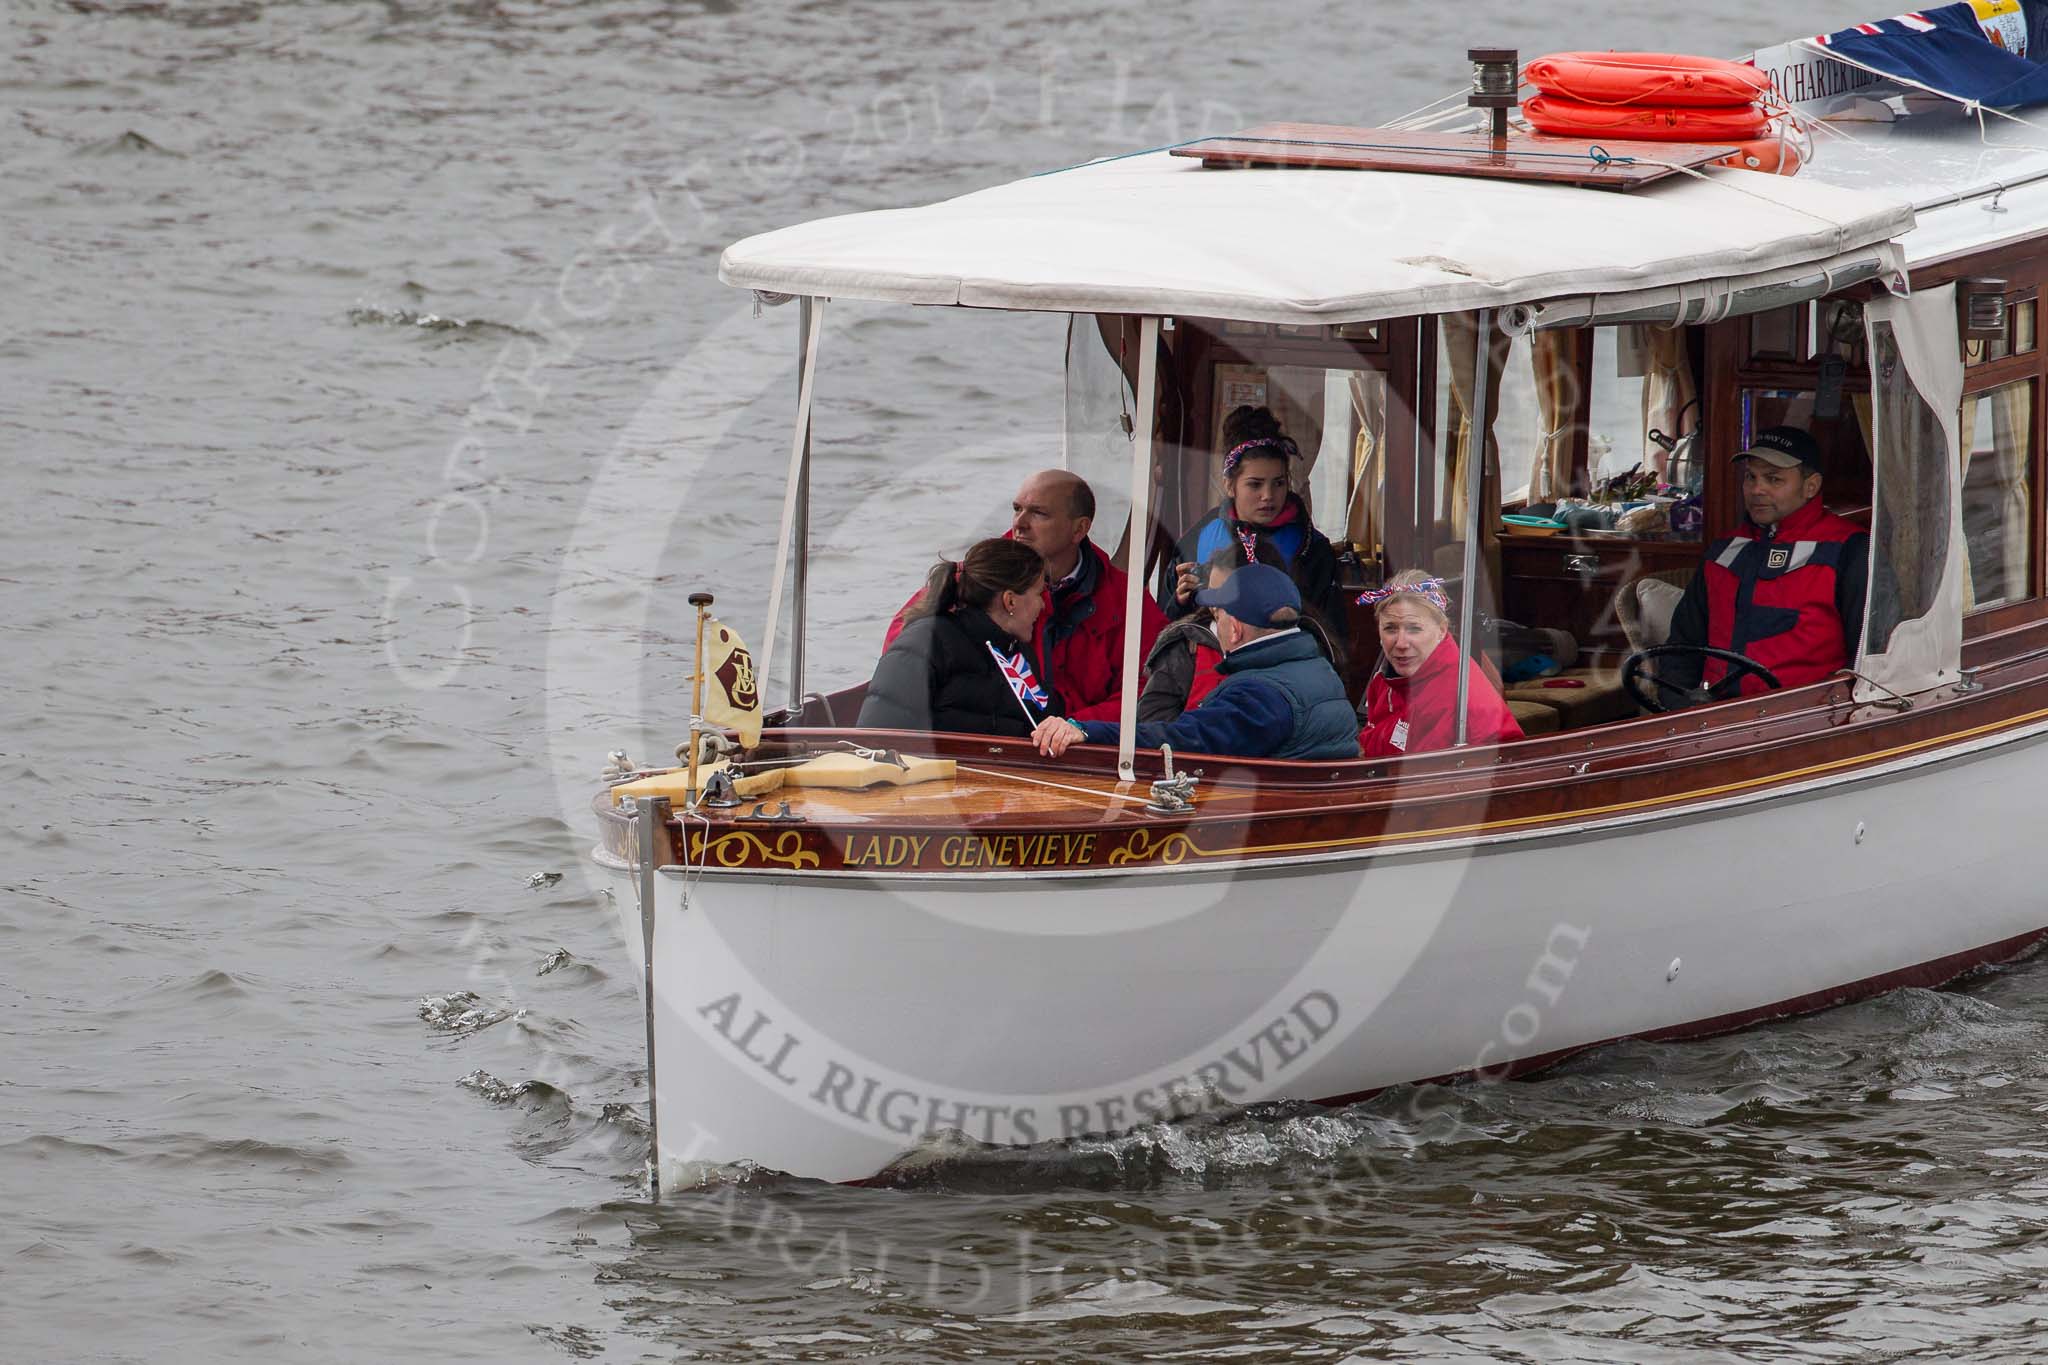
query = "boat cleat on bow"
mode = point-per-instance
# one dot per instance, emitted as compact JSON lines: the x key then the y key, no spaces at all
{"x":1173,"y":793}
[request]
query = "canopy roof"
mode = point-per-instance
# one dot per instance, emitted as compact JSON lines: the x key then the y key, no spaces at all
{"x":1159,"y":234}
{"x":1953,"y":170}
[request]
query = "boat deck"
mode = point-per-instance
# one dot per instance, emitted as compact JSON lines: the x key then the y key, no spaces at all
{"x":1007,"y":810}
{"x":978,"y":793}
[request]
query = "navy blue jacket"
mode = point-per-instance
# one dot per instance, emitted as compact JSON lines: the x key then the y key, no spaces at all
{"x":1279,"y":699}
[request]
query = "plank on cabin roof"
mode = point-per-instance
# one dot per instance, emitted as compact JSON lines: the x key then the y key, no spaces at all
{"x":1598,"y":162}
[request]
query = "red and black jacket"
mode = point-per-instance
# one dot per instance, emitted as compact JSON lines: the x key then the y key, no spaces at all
{"x":1789,"y":596}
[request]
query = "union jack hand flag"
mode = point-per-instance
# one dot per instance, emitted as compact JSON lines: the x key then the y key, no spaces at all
{"x":1017,"y":673}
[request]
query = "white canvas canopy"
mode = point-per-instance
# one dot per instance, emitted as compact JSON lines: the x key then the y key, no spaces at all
{"x":1158,"y":234}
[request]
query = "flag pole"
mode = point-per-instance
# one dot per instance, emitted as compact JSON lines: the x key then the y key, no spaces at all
{"x":1029,"y":719}
{"x":1015,"y":691}
{"x":702,"y":602}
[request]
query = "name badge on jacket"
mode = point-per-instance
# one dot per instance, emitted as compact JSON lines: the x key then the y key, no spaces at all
{"x":1778,"y":558}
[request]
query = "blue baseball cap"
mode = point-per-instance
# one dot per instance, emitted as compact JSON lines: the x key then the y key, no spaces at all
{"x":1253,"y":594}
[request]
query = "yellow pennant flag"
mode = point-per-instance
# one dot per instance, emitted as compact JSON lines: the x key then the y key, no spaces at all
{"x":732,"y":690}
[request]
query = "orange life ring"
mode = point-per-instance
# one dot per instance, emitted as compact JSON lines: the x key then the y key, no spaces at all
{"x":1647,"y":123}
{"x":1771,"y":156}
{"x":1664,"y":78}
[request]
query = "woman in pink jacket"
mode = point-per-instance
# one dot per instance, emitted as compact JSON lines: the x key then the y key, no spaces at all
{"x":1411,"y":705}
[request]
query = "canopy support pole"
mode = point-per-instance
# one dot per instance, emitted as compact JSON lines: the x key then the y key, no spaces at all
{"x":1475,"y":489}
{"x":793,"y":493}
{"x":800,"y":599}
{"x":1138,"y":546}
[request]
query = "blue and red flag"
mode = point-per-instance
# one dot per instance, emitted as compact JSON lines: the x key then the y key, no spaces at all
{"x":1976,"y":51}
{"x":1017,"y":673}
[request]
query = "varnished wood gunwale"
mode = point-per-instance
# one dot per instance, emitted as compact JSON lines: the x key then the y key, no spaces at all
{"x":1253,"y":811}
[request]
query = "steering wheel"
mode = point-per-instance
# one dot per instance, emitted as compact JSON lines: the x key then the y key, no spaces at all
{"x":1740,"y":666}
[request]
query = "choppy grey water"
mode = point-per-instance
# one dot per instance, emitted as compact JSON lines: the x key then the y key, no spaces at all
{"x":323,"y":325}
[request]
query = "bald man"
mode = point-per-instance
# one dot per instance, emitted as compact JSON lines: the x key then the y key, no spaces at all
{"x":1081,"y":632}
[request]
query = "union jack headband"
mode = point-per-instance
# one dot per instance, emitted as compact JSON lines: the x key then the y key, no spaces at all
{"x":1281,"y":444}
{"x":1430,"y":590}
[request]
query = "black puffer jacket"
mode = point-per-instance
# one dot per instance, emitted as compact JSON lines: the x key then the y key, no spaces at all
{"x":938,"y":674}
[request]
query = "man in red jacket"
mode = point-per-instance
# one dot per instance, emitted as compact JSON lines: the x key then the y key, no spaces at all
{"x":1081,"y":633}
{"x":1787,"y":590}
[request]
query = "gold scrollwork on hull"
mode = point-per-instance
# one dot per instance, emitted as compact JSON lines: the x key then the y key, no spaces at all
{"x":741,"y":847}
{"x":1140,"y":848}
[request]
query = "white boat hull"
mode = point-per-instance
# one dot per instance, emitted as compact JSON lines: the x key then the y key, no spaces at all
{"x":823,"y":1025}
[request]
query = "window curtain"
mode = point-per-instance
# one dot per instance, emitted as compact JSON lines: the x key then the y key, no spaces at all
{"x":1460,"y":357}
{"x":1667,"y":388}
{"x":1364,"y":523}
{"x":1295,"y":395}
{"x":1913,"y":625}
{"x":2012,"y":429}
{"x":1966,"y":444}
{"x":1554,"y":356}
{"x":1460,"y":344}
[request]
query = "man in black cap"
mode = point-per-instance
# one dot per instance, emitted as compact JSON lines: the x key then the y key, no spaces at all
{"x":1279,"y":697}
{"x":1787,"y":590}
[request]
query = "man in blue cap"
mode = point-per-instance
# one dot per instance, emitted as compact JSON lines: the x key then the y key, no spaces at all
{"x":1279,"y":698}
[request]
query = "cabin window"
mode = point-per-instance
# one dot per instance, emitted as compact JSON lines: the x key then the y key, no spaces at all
{"x":1346,"y":474}
{"x":1799,"y":334}
{"x":1342,"y":393}
{"x":1645,"y":403}
{"x":1572,"y":417}
{"x":1532,"y":408}
{"x":1996,"y":432}
{"x":1778,"y":333}
{"x":1338,"y":419}
{"x":1841,"y":425}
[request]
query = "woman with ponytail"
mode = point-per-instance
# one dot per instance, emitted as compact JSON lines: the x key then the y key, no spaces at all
{"x":1262,"y":521}
{"x":964,"y":660}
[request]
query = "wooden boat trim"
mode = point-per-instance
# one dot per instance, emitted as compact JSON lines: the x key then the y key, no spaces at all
{"x":1139,"y":844}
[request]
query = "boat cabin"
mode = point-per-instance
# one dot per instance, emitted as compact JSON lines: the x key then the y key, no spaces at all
{"x":1398,"y":301}
{"x":1608,"y":459}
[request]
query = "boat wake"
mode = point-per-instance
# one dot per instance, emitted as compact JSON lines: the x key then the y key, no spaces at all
{"x":366,"y":315}
{"x":551,"y":1122}
{"x":462,"y":1013}
{"x":1910,"y":1045}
